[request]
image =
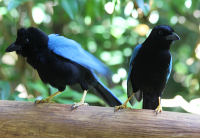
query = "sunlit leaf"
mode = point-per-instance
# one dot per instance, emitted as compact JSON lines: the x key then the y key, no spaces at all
{"x":40,"y":87}
{"x":64,"y":101}
{"x":77,"y":97}
{"x":68,"y":94}
{"x":195,"y":4}
{"x":184,"y":51}
{"x":70,"y":7}
{"x":118,"y":90}
{"x":188,"y":79}
{"x":144,"y":5}
{"x":15,"y":3}
{"x":180,"y":67}
{"x":4,"y":90}
{"x":31,"y":100}
{"x":91,"y":98}
{"x":15,"y":97}
{"x":138,"y":105}
{"x":95,"y":8}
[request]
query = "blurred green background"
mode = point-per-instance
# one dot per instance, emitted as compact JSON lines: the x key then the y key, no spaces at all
{"x":109,"y":29}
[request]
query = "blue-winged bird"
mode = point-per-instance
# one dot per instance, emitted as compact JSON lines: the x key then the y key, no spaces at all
{"x":149,"y":69}
{"x":60,"y":61}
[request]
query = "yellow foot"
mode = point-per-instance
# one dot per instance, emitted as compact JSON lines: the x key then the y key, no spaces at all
{"x":75,"y":105}
{"x":47,"y":100}
{"x":158,"y":109}
{"x":121,"y":107}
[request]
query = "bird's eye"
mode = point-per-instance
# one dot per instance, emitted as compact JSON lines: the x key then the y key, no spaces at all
{"x":26,"y":40}
{"x":160,"y":33}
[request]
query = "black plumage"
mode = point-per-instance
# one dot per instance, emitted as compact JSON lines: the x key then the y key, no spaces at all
{"x":150,"y":68}
{"x":60,"y":62}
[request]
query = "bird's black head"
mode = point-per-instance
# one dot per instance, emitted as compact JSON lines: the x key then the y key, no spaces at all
{"x":161,"y":37}
{"x":28,"y":41}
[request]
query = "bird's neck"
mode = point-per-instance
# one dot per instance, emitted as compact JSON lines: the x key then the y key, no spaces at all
{"x":156,"y":46}
{"x":41,"y":42}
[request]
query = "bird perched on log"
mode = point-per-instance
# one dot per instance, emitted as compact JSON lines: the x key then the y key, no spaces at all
{"x":60,"y":61}
{"x":149,"y":69}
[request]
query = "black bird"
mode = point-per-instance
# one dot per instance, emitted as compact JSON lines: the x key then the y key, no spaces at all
{"x":149,"y":68}
{"x":60,"y":61}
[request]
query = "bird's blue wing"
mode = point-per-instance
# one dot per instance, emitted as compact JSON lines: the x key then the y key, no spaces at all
{"x":134,"y":54}
{"x":169,"y":70}
{"x":132,"y":60}
{"x":72,"y":50}
{"x":131,"y":63}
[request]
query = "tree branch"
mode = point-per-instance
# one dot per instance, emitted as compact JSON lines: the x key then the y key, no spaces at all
{"x":23,"y":119}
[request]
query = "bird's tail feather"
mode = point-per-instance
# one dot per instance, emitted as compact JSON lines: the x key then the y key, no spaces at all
{"x":104,"y":93}
{"x":148,"y":104}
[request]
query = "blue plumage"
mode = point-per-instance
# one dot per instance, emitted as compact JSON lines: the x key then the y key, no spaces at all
{"x":134,"y":54}
{"x":132,"y":60}
{"x":60,"y":61}
{"x":150,"y":67}
{"x":138,"y":95}
{"x":73,"y":51}
{"x":170,"y":69}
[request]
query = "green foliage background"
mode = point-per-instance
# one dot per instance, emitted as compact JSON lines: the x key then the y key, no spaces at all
{"x":113,"y":36}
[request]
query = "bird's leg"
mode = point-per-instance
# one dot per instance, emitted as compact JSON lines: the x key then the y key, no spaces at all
{"x":124,"y":105}
{"x":75,"y":105}
{"x":159,"y":108}
{"x":47,"y":100}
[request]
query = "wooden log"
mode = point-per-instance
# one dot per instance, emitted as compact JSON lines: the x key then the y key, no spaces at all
{"x":50,"y":120}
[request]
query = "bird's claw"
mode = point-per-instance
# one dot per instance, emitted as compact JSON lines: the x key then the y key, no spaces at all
{"x":76,"y":105}
{"x":158,"y":109}
{"x":120,"y":107}
{"x":47,"y":100}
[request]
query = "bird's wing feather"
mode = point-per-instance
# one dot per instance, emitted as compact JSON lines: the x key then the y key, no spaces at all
{"x":129,"y":83}
{"x":169,"y":70}
{"x":134,"y":54}
{"x":72,"y":50}
{"x":132,"y":60}
{"x":103,"y":92}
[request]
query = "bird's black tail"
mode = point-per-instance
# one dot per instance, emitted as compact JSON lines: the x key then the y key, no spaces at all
{"x":148,"y":104}
{"x":104,"y":93}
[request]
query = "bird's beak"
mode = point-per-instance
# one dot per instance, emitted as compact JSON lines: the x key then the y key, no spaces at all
{"x":173,"y":37}
{"x":13,"y":47}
